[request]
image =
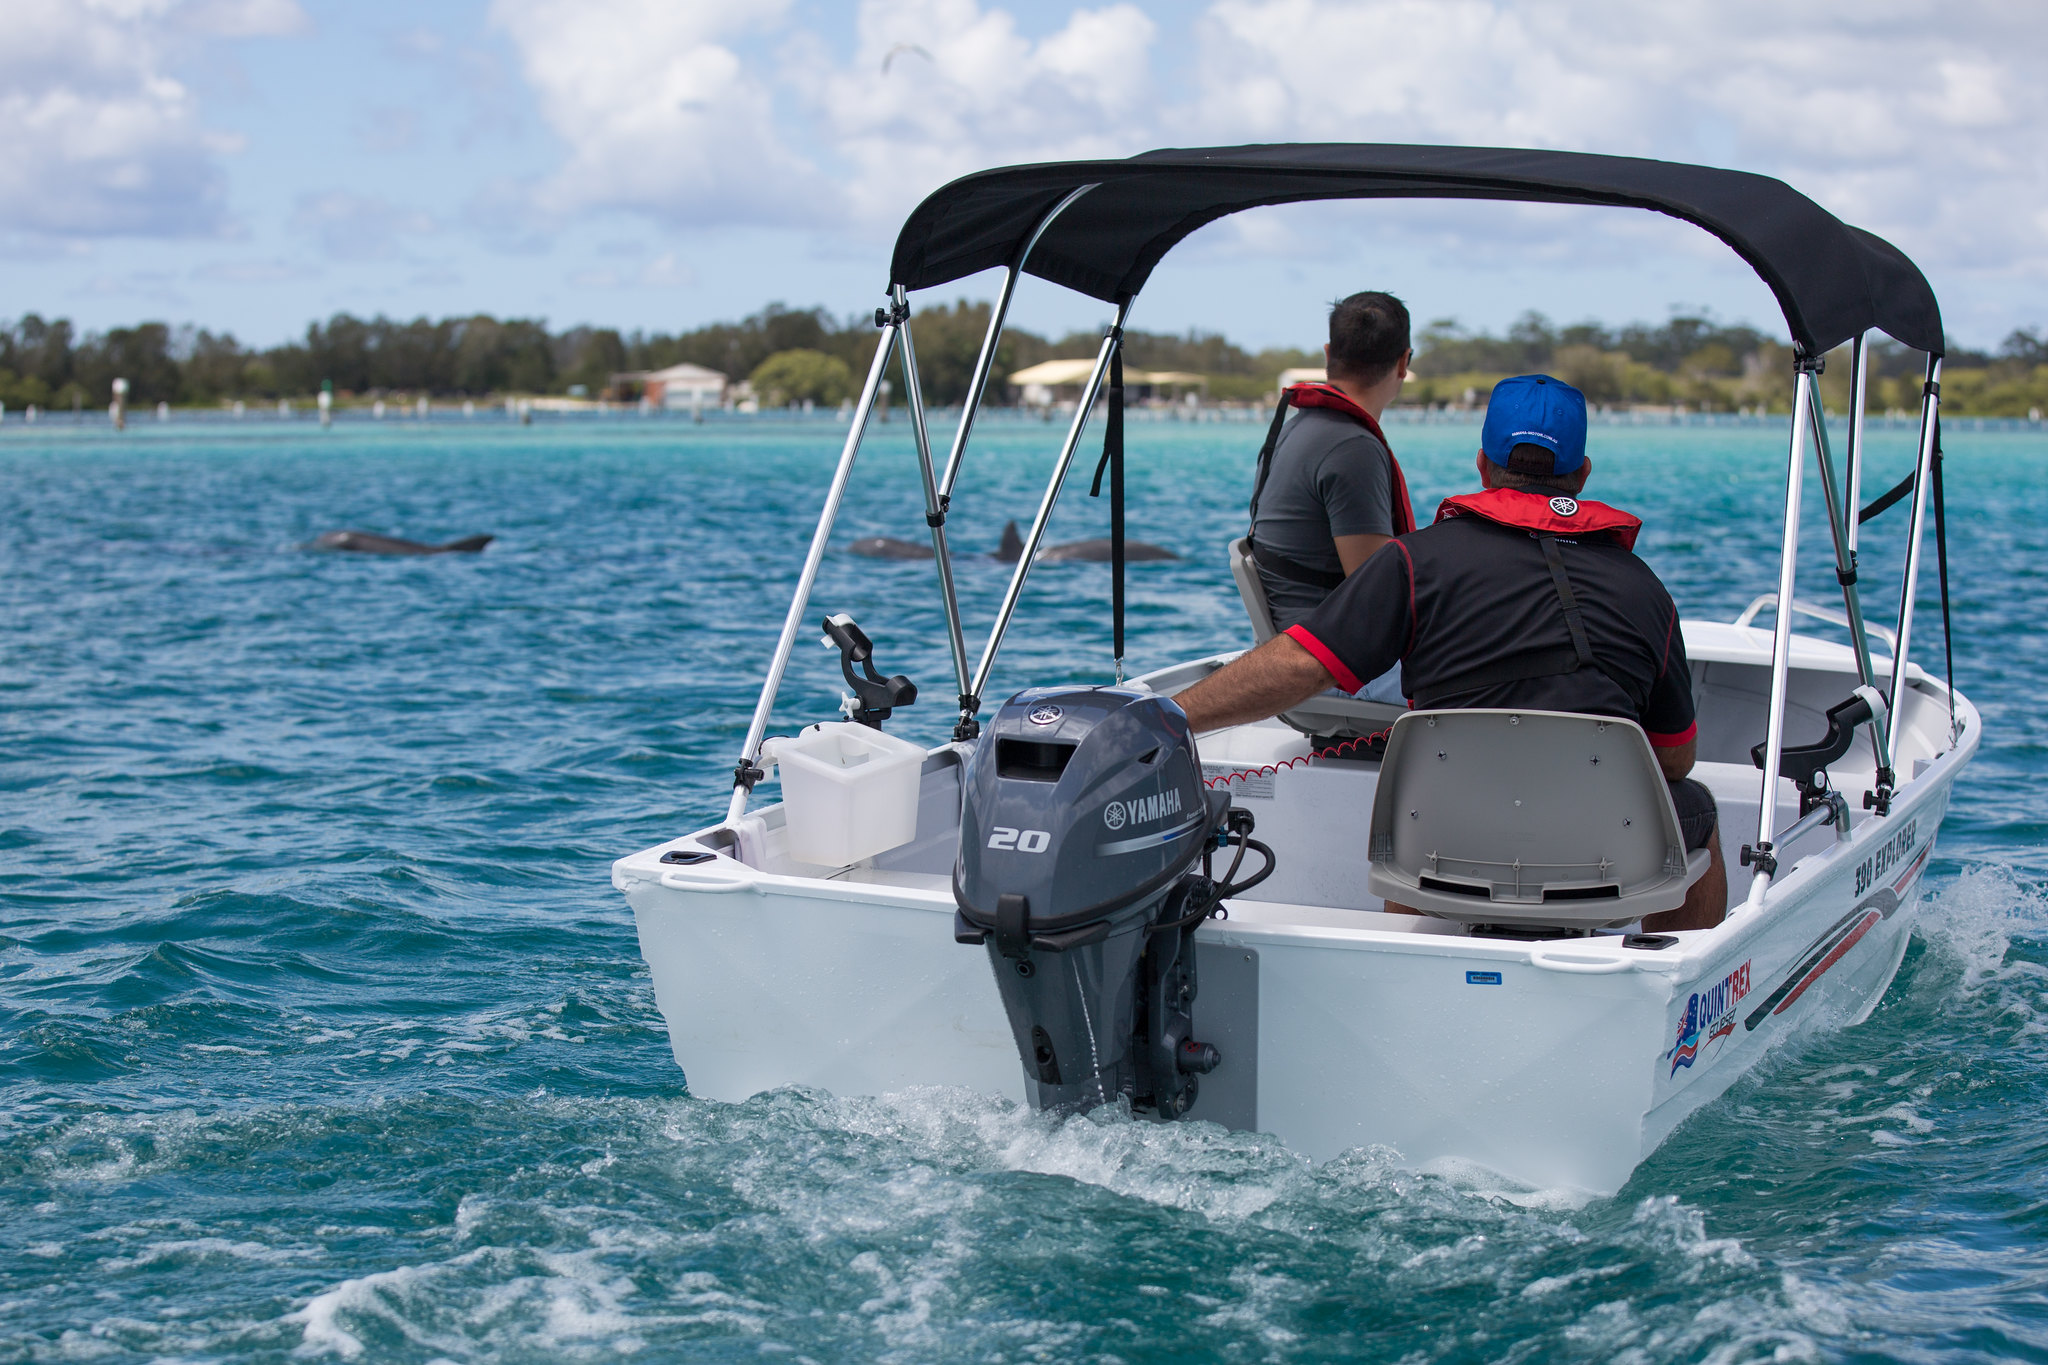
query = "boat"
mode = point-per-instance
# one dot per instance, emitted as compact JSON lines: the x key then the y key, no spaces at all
{"x":1040,"y":908}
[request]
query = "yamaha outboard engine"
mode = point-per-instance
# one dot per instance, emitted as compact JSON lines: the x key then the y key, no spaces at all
{"x":1083,"y":817}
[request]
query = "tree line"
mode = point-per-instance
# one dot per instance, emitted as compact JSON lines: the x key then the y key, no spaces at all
{"x":1689,"y":358}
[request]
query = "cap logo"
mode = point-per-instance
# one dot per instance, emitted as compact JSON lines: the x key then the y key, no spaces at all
{"x":1050,"y":715}
{"x":1564,"y":507}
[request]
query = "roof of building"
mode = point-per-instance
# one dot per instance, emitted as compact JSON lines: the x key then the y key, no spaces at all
{"x":682,"y":374}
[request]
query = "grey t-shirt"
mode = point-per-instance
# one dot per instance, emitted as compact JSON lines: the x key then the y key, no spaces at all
{"x":1329,"y":478}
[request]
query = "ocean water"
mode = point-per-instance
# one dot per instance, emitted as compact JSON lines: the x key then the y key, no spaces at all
{"x":324,"y":1036}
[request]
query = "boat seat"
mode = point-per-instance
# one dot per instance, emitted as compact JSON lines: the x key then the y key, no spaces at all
{"x":1527,"y":819}
{"x":1332,"y":713}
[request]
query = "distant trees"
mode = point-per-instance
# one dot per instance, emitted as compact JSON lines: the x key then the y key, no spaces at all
{"x":1689,"y":358}
{"x":802,"y":376}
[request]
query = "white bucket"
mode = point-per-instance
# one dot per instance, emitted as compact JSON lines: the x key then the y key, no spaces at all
{"x":848,"y":792}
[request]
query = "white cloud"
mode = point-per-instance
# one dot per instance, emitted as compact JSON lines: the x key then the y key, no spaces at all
{"x":1915,"y":120}
{"x":102,"y":139}
{"x":978,"y":93}
{"x":657,"y":111}
{"x":243,"y":18}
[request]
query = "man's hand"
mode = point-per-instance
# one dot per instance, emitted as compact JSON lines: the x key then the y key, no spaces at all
{"x":1677,"y":760}
{"x":1276,"y":675}
{"x":1353,"y":551}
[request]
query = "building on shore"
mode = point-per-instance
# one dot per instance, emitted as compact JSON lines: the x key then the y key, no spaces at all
{"x":1061,"y":381}
{"x":681,"y":388}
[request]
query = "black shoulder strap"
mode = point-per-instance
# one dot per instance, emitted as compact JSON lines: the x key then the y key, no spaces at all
{"x":1542,"y":663}
{"x":1573,"y":620}
{"x":1266,"y":450}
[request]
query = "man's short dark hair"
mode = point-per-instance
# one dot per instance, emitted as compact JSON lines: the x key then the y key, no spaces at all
{"x":1368,"y":335}
{"x":1529,"y":467}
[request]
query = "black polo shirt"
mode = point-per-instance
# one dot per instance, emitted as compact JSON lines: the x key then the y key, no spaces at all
{"x":1467,"y":593}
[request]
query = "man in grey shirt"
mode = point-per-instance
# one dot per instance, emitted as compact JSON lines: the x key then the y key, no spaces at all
{"x":1330,"y":492}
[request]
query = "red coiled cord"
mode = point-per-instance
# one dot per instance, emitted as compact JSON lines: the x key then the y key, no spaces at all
{"x":1269,"y":769}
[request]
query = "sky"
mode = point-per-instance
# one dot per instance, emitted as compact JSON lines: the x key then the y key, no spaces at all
{"x":252,"y":165}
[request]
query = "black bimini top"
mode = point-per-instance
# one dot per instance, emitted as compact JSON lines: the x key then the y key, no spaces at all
{"x":1833,"y":281}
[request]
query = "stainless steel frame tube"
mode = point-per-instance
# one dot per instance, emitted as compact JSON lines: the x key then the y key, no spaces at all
{"x":1803,"y":392}
{"x":1111,"y":339}
{"x":750,"y":752}
{"x":1930,"y":407}
{"x":984,"y":362}
{"x":934,"y":518}
{"x":1845,"y":562}
{"x":1859,"y":381}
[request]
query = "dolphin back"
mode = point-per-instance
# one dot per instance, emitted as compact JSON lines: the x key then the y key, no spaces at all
{"x":370,"y":543}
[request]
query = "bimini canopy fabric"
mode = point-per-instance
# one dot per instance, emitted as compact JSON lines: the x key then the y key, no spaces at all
{"x":1832,"y":280}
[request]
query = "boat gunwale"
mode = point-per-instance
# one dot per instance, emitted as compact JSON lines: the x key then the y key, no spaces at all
{"x":1683,"y":962}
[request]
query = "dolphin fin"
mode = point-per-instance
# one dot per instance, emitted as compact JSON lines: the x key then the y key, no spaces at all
{"x":1012,"y":548}
{"x":468,"y":545}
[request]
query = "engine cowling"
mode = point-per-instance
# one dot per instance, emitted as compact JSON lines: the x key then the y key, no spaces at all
{"x":1082,"y":818}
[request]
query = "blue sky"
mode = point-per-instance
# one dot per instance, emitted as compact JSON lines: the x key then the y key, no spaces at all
{"x":254,"y":164}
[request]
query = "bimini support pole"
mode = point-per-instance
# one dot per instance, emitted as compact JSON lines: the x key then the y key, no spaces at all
{"x":1839,"y":523}
{"x":934,"y":517}
{"x":985,"y":362}
{"x":748,"y":771}
{"x":1859,"y":382}
{"x":1111,"y":339}
{"x":1763,"y":856}
{"x":1930,"y":408}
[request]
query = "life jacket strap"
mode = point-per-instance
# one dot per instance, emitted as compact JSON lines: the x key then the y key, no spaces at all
{"x":1293,"y":570}
{"x":1542,"y":663}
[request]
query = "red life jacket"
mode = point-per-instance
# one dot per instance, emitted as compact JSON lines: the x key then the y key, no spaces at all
{"x":1329,"y":396}
{"x":1555,"y":514}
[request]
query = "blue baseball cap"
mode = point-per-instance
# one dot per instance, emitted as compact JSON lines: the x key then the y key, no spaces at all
{"x":1534,"y":409}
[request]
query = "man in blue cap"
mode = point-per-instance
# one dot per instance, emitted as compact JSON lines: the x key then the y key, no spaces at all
{"x":1521,"y":595}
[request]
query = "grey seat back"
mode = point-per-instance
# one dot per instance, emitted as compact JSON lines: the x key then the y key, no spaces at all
{"x":1245,"y":570}
{"x":1527,"y":818}
{"x":1331,"y":713}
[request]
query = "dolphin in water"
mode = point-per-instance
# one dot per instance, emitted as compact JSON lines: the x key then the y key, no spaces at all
{"x":1078,"y":551}
{"x":370,"y":543}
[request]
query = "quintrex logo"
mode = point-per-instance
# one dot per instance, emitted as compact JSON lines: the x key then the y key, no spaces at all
{"x":1140,"y":810}
{"x":1710,"y":1012}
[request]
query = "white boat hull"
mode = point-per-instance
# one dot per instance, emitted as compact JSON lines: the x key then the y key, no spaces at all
{"x":1555,"y":1064}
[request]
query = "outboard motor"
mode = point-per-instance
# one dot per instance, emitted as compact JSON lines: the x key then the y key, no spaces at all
{"x":1083,"y":817}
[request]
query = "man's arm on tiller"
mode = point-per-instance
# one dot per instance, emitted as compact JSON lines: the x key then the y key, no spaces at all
{"x":1276,"y":675}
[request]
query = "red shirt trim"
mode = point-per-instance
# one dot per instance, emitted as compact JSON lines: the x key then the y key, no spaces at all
{"x":1346,"y":679}
{"x":1673,"y":741}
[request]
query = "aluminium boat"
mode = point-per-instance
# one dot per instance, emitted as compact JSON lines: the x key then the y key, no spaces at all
{"x":1050,"y":906}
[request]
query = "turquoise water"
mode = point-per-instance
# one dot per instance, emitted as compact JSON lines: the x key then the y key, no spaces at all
{"x":323,"y":1035}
